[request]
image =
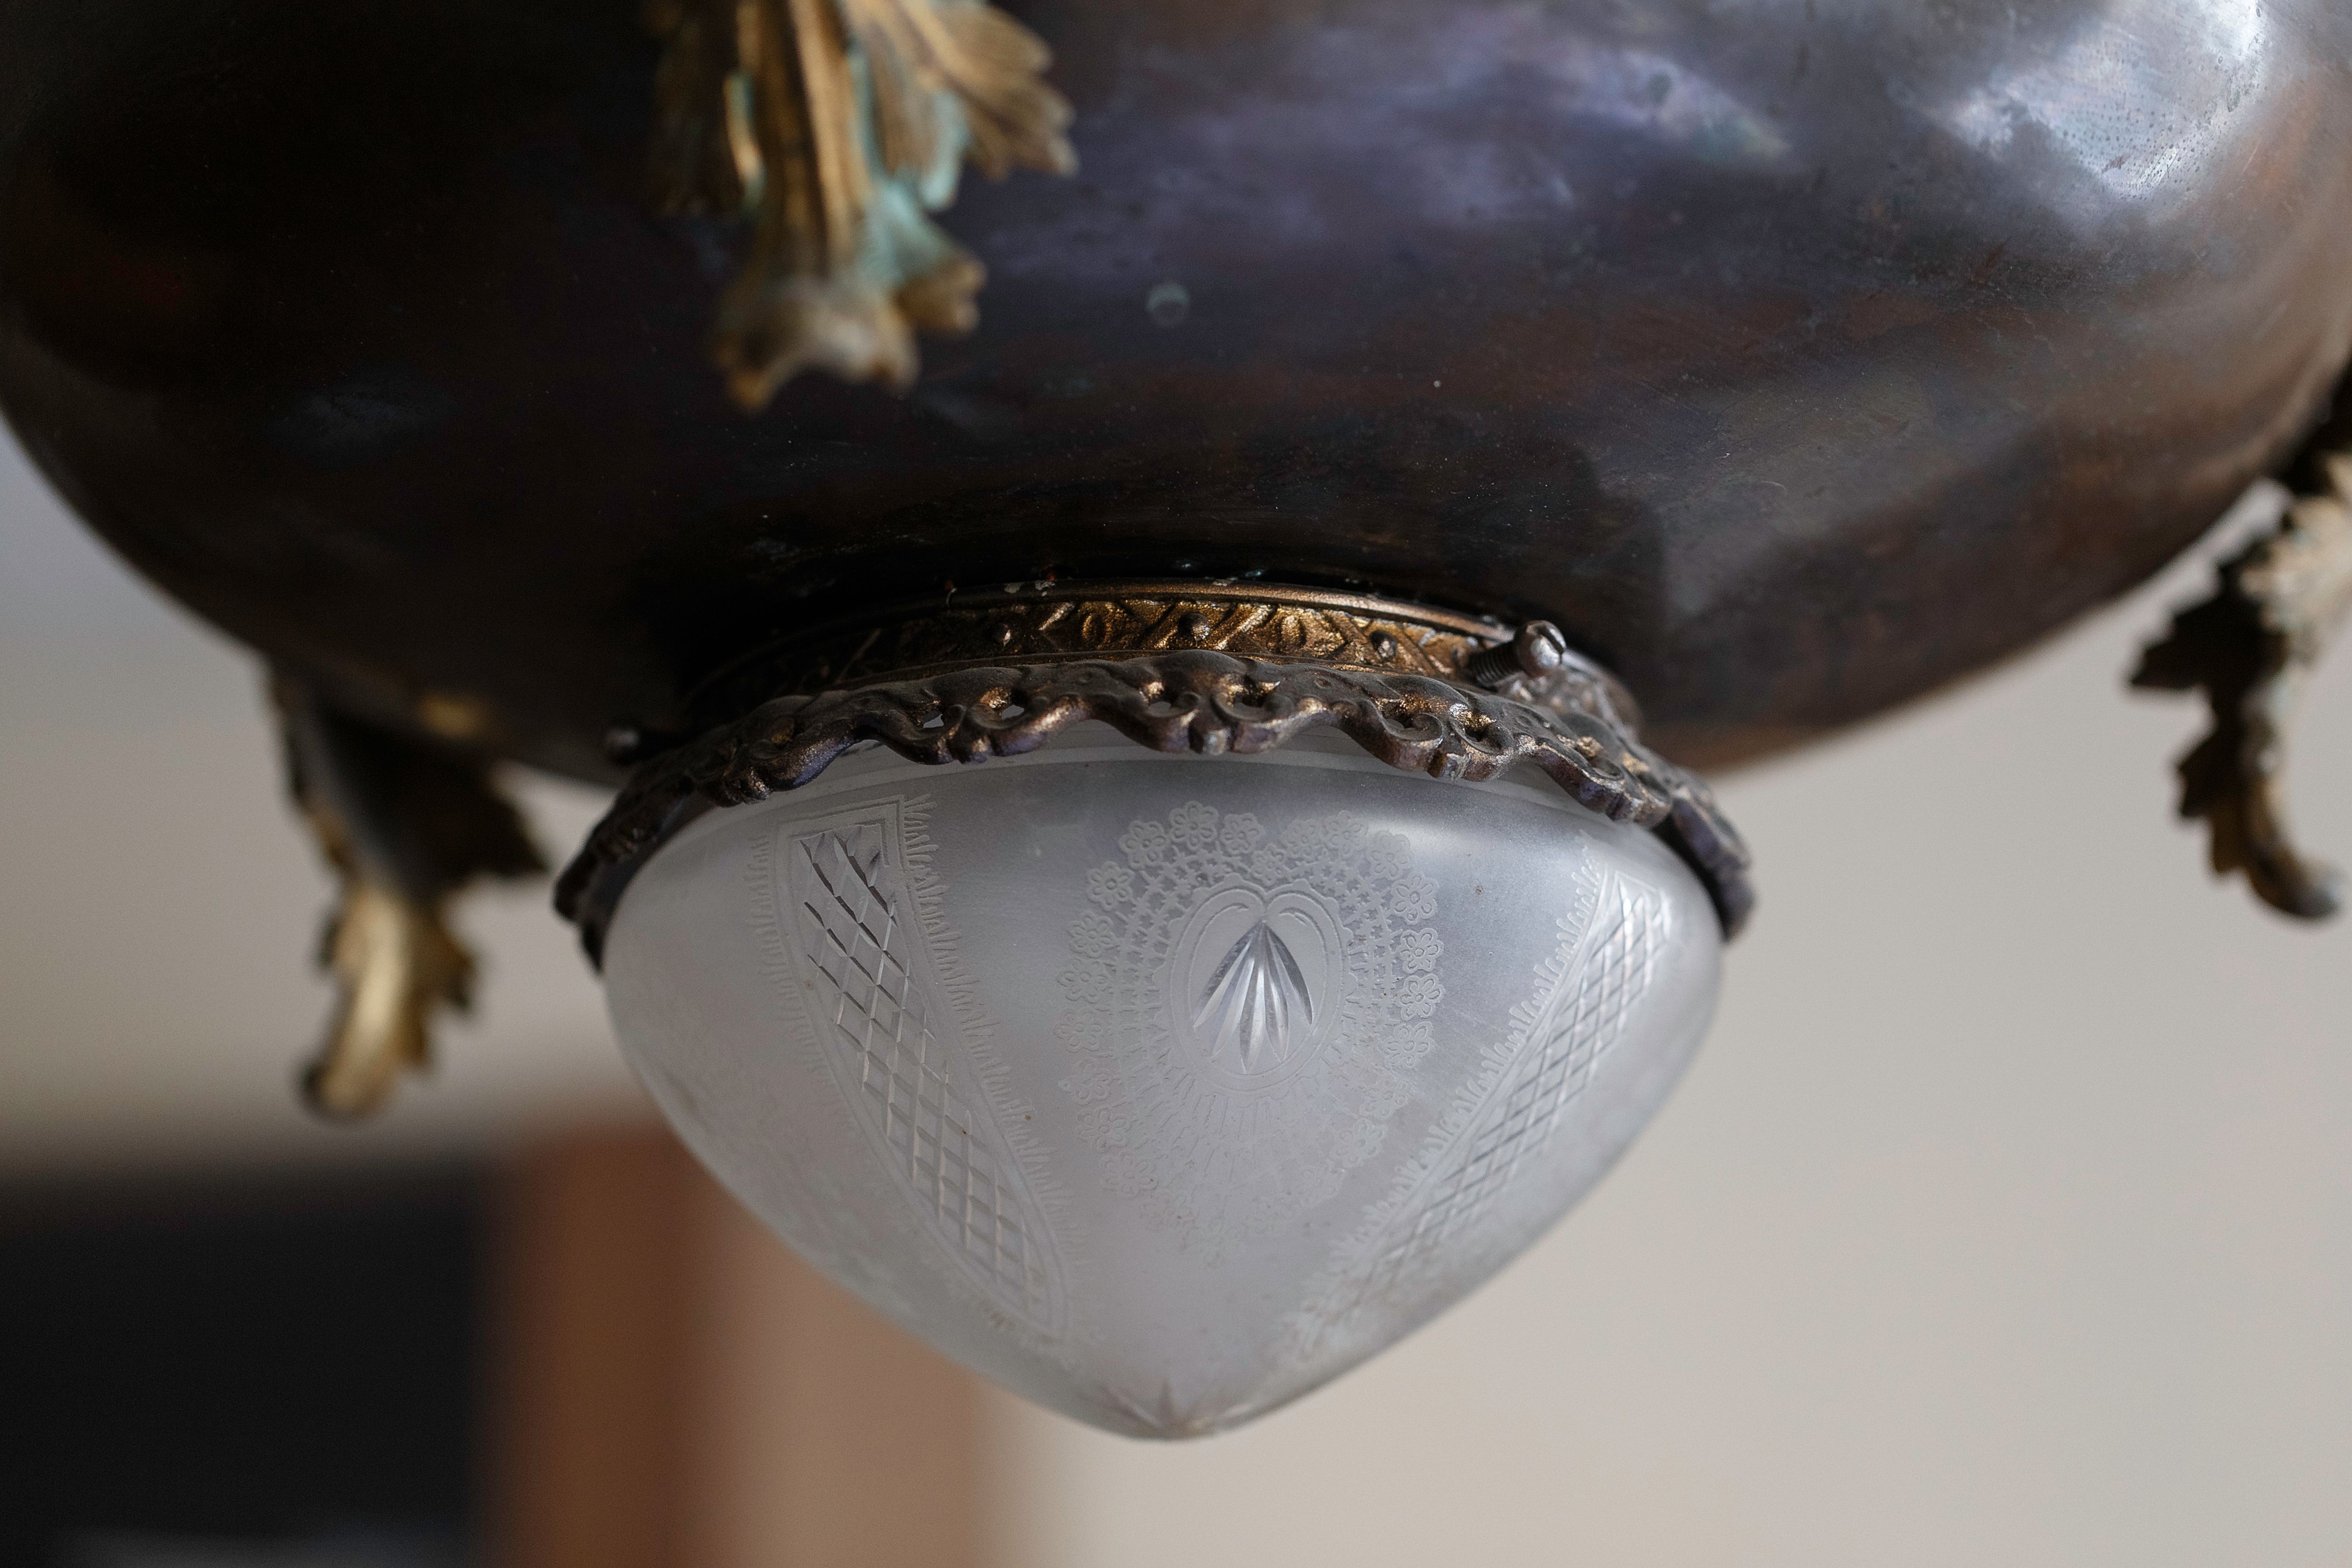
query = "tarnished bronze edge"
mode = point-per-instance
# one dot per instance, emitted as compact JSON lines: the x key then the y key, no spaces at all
{"x":1024,"y":597}
{"x":1021,"y":624}
{"x":1197,"y":701}
{"x":1237,"y":589}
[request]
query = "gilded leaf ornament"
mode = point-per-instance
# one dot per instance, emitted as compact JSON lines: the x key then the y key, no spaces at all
{"x":2252,"y":648}
{"x":838,"y":126}
{"x":407,"y":824}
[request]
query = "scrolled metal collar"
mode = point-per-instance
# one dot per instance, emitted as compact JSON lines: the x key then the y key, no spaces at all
{"x":1559,"y":721}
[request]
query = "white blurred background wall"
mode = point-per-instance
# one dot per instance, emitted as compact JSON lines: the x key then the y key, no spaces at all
{"x":2006,"y":1218}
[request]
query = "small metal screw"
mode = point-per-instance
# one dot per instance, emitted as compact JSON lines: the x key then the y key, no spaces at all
{"x":1384,"y":644}
{"x":1002,"y":632}
{"x":1540,"y":650}
{"x":1195,"y":626}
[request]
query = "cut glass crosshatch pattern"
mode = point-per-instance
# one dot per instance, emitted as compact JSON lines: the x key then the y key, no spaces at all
{"x":1586,"y":994}
{"x":1487,"y":1177}
{"x":883,"y":1013}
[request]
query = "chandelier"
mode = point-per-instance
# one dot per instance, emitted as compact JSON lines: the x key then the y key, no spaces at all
{"x":1158,"y":698}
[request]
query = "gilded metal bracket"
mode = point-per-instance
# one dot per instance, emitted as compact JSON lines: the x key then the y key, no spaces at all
{"x":1223,"y":669}
{"x":405,"y":824}
{"x":2250,"y":648}
{"x":836,"y":125}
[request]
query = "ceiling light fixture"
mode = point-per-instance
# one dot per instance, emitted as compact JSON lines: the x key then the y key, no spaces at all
{"x":1286,"y":511}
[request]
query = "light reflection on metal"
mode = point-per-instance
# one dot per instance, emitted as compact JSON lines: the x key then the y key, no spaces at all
{"x":2143,"y":93}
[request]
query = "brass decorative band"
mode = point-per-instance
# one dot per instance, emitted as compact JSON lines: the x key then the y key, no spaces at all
{"x":1043,"y":623}
{"x":1558,"y":719}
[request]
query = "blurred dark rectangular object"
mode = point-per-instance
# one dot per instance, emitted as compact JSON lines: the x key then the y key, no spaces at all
{"x":585,"y":1355}
{"x":265,"y":1370}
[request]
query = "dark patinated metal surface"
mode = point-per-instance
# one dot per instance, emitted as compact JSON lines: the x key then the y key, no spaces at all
{"x":1794,"y":355}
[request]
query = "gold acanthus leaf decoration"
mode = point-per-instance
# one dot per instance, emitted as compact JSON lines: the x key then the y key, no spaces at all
{"x":2252,"y":648}
{"x":839,"y":125}
{"x":395,"y":964}
{"x":407,"y":824}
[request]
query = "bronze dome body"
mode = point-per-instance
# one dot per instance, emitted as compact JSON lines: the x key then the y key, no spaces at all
{"x":1794,"y":357}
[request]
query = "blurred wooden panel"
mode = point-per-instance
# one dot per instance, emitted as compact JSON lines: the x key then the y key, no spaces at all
{"x":676,"y":1390}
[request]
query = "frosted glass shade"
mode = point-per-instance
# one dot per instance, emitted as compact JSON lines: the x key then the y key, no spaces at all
{"x":1161,"y":1089}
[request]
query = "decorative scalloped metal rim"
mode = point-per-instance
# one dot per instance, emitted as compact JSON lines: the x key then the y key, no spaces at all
{"x":1196,"y":700}
{"x":1021,"y":624}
